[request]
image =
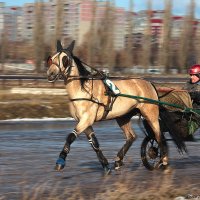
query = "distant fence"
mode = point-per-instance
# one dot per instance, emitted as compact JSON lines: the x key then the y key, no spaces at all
{"x":34,"y":80}
{"x":27,"y":81}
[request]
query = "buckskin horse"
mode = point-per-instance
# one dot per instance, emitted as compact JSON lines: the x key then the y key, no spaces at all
{"x":89,"y":103}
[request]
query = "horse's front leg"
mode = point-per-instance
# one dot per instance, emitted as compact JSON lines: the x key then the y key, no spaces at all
{"x":125,"y":124}
{"x":60,"y":163}
{"x":84,"y":123}
{"x":96,"y":147}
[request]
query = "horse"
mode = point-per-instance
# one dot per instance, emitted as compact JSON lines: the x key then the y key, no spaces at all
{"x":88,"y":103}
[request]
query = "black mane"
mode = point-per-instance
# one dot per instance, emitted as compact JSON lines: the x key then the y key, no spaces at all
{"x":83,"y":72}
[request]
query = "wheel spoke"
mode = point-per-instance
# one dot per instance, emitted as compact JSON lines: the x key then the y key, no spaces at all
{"x":151,"y":153}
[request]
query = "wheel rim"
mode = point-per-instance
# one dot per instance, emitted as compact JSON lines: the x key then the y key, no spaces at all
{"x":153,"y":154}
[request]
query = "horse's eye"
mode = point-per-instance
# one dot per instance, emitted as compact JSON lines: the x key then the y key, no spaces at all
{"x":65,"y":61}
{"x":49,"y":61}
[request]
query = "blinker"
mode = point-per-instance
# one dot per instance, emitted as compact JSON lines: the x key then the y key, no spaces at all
{"x":65,"y":61}
{"x":49,"y":61}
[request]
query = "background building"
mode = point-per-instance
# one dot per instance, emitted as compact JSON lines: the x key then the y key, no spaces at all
{"x":98,"y":27}
{"x":76,"y":21}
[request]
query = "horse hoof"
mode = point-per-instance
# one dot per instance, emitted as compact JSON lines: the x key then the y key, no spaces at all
{"x":167,"y":169}
{"x":107,"y":170}
{"x":118,"y":164}
{"x":60,"y":164}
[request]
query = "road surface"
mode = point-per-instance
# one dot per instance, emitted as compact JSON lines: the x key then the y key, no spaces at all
{"x":29,"y":149}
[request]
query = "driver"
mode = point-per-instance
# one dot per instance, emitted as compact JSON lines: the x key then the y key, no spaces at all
{"x":193,"y":86}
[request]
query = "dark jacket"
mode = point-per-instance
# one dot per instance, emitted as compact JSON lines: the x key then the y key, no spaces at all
{"x":194,"y":91}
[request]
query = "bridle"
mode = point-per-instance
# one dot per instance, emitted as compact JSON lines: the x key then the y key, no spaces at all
{"x":66,"y":73}
{"x":62,"y":74}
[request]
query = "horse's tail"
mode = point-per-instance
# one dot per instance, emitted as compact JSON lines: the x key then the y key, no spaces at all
{"x":168,"y":123}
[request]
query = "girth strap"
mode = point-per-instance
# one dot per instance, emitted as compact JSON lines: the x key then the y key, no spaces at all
{"x":107,"y":107}
{"x":86,"y":99}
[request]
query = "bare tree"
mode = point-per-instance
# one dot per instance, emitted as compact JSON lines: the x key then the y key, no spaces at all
{"x":59,"y":19}
{"x":39,"y":35}
{"x":191,"y":42}
{"x":110,"y":47}
{"x":186,"y":40}
{"x":3,"y":49}
{"x":146,"y":46}
{"x":91,"y":46}
{"x":105,"y":32}
{"x":130,"y":41}
{"x":197,"y":44}
{"x":164,"y":57}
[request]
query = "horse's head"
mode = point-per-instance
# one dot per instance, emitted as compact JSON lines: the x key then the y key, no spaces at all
{"x":60,"y":63}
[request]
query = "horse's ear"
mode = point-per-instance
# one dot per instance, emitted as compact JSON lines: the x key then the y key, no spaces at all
{"x":59,"y":46}
{"x":71,"y":47}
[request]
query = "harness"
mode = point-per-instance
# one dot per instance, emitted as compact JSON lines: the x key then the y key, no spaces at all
{"x":109,"y":93}
{"x":110,"y":88}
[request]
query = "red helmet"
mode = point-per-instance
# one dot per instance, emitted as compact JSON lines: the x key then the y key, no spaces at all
{"x":194,"y":69}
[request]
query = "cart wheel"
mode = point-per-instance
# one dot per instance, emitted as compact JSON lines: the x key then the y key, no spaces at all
{"x":151,"y":153}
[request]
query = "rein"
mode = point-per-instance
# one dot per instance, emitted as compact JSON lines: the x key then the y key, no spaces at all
{"x":100,"y":75}
{"x":94,"y":74}
{"x":94,"y":77}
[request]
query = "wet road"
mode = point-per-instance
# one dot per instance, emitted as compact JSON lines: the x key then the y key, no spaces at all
{"x":29,"y":149}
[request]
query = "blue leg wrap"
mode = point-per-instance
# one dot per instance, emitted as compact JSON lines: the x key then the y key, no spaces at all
{"x":60,"y":164}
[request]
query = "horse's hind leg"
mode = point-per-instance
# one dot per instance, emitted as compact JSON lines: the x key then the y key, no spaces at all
{"x":125,"y":124}
{"x":151,"y":114}
{"x":95,"y":145}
